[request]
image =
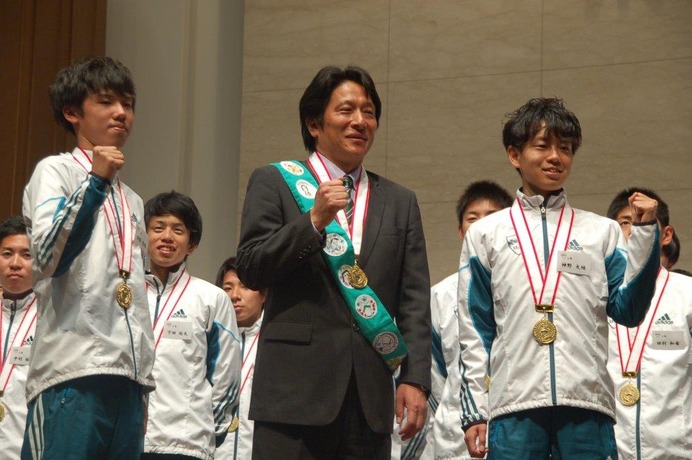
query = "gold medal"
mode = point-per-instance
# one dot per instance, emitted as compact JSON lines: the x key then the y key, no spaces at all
{"x":629,"y":394}
{"x":2,"y":412}
{"x":357,"y":277}
{"x":123,"y":293}
{"x":544,"y":331}
{"x":235,"y":423}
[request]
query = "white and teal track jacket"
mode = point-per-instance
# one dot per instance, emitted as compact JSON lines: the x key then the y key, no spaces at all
{"x":497,"y":306}
{"x":197,"y":367}
{"x":81,"y":330}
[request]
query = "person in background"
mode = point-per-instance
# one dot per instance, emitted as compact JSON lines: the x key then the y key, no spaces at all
{"x":17,"y":324}
{"x":650,"y":363}
{"x":670,"y":253}
{"x":197,"y":368}
{"x":249,"y":309}
{"x":443,"y":438}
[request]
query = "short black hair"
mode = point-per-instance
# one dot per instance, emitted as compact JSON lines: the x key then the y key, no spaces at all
{"x":228,"y":265}
{"x":178,"y":205}
{"x":88,"y":76}
{"x":682,"y":271}
{"x":319,"y":92}
{"x":524,"y":123}
{"x":13,"y":225}
{"x":672,"y":250}
{"x":621,"y":201}
{"x":482,"y":190}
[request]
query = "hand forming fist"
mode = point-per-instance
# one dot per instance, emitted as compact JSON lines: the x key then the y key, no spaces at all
{"x":107,"y":161}
{"x":643,"y":208}
{"x":331,"y":197}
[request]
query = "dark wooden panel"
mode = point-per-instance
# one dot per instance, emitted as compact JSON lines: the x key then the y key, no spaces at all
{"x":38,"y":38}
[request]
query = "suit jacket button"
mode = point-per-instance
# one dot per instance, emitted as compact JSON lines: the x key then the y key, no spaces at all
{"x":356,"y":327}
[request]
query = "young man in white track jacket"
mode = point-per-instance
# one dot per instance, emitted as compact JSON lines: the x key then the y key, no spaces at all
{"x":197,"y":368}
{"x":656,"y":358}
{"x":443,"y":437}
{"x":537,"y":282}
{"x":249,"y":310}
{"x":93,"y":350}
{"x":17,"y":325}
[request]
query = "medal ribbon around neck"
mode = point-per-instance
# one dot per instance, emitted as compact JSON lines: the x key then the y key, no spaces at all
{"x":533,"y":266}
{"x":366,"y":308}
{"x":25,"y":325}
{"x":360,"y":200}
{"x":169,"y":307}
{"x":120,"y":225}
{"x":245,"y":371}
{"x":632,"y":341}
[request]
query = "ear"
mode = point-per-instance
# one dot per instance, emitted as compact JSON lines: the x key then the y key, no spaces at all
{"x":667,"y":235}
{"x":313,"y":127}
{"x":461,"y":232}
{"x":71,"y":115}
{"x":513,"y":155}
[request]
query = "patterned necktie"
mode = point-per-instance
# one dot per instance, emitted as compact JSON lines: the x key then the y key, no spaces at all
{"x":348,"y":183}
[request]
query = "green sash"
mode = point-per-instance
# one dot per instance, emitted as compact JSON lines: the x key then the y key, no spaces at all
{"x":366,"y":308}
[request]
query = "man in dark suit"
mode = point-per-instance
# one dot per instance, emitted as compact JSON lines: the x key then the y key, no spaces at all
{"x":321,"y":388}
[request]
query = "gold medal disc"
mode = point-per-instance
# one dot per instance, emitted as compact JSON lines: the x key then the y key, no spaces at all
{"x":629,"y":394}
{"x":235,"y":423}
{"x":544,"y":332}
{"x":2,"y":412}
{"x":357,"y":277}
{"x":123,"y":294}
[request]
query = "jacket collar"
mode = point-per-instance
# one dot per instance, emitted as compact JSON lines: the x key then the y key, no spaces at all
{"x":20,"y":304}
{"x":154,"y":282}
{"x":535,"y":202}
{"x":254,"y":328}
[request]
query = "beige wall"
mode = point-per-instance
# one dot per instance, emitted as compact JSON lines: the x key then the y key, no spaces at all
{"x":449,"y":70}
{"x":186,"y":59}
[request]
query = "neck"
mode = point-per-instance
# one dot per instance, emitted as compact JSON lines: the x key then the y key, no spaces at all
{"x":546,"y":195}
{"x":344,"y":166}
{"x":162,"y":273}
{"x":16,"y":296}
{"x":250,"y":321}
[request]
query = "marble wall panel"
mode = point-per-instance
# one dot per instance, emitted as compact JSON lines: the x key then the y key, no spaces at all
{"x":444,"y":134}
{"x":679,"y":204}
{"x":270,"y":132}
{"x":441,"y":239}
{"x":636,"y":124}
{"x":451,"y":38}
{"x":596,"y":32}
{"x":448,"y":71}
{"x":286,"y":40}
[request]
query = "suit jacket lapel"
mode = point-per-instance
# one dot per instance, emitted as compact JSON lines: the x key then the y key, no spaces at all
{"x":373,"y":220}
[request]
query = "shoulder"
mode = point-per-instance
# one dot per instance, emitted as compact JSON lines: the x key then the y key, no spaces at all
{"x":60,"y":161}
{"x":595,"y":223}
{"x":594,"y":218}
{"x":446,"y":285}
{"x":206,"y":289}
{"x":682,"y":283}
{"x":383,"y":182}
{"x":389,"y":187}
{"x":490,"y":223}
